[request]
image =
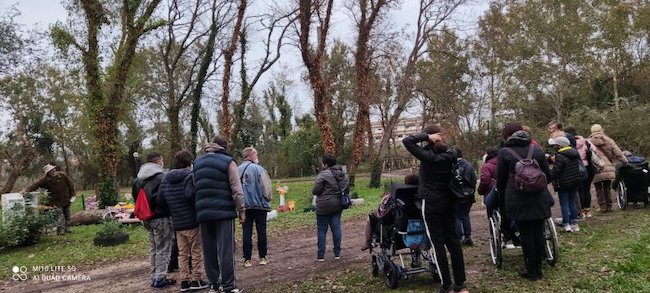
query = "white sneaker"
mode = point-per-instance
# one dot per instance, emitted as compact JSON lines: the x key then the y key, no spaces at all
{"x":575,"y":228}
{"x":557,"y":221}
{"x":567,"y":228}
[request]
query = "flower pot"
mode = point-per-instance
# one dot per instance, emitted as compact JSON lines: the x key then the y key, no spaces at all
{"x":111,"y":240}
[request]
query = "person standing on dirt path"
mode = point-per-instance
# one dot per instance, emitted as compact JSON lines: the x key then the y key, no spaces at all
{"x":219,"y":199}
{"x":607,"y":150}
{"x":527,"y":209}
{"x":584,"y":189}
{"x":177,"y":193}
{"x":327,"y":188}
{"x":256,"y":185}
{"x":159,"y":226}
{"x":61,"y":191}
{"x":438,"y":211}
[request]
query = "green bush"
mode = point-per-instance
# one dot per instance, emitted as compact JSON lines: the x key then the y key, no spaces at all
{"x":22,"y":229}
{"x":107,"y":193}
{"x":110,"y":228}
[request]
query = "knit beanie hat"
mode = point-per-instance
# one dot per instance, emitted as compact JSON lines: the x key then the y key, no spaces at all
{"x":596,"y":128}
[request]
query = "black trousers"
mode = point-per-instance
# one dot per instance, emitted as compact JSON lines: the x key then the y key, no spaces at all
{"x":584,"y":190}
{"x":257,"y":217}
{"x":532,"y":243}
{"x":441,"y":230}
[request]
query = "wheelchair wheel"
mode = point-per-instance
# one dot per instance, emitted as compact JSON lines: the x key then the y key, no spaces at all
{"x":551,"y":244}
{"x":391,"y":275}
{"x":495,"y":242}
{"x":622,"y":195}
{"x":375,"y":266}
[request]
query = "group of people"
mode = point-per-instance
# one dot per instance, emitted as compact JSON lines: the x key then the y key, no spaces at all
{"x":195,"y":206}
{"x":571,"y":171}
{"x":196,"y":203}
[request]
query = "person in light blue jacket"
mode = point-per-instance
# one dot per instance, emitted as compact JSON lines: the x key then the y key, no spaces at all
{"x":256,"y":185}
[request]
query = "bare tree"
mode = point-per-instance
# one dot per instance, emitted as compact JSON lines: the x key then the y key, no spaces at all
{"x":431,"y":16}
{"x":21,"y":158}
{"x":181,"y":36}
{"x":272,"y":48}
{"x":369,"y":13}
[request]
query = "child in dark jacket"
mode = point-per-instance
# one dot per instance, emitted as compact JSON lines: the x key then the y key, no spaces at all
{"x":566,"y":178}
{"x":176,"y":192}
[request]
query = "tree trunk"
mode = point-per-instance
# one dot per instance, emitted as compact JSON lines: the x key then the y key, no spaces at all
{"x":173,"y":113}
{"x":314,"y":62}
{"x":226,"y":130}
{"x":362,"y":71}
{"x":200,"y":81}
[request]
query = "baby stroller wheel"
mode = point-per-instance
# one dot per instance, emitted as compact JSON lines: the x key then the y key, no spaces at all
{"x":550,"y":237}
{"x":622,"y":195}
{"x":375,"y":266}
{"x":391,"y":275}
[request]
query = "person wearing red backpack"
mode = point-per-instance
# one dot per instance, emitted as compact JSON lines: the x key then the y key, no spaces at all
{"x":159,"y":224}
{"x":528,"y":209}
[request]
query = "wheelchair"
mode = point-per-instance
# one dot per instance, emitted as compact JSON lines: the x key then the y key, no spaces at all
{"x":497,"y":245}
{"x":632,"y":182}
{"x":399,"y":246}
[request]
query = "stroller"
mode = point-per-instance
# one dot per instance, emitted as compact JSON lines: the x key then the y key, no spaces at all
{"x":632,"y":182}
{"x":399,"y":244}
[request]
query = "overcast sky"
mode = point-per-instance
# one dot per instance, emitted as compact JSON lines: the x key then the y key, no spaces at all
{"x":42,"y":13}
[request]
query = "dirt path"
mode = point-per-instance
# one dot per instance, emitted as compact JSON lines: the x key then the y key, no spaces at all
{"x":292,"y":257}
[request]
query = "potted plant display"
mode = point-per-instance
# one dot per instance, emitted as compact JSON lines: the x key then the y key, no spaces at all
{"x":110,"y":233}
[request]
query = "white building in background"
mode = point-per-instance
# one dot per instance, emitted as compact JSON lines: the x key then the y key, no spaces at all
{"x":404,"y":127}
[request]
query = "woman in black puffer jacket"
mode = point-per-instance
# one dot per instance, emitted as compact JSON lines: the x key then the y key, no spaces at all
{"x":527,"y":209}
{"x":566,"y":178}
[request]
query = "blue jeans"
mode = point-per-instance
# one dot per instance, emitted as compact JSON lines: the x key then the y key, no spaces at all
{"x":568,"y":204}
{"x":333,"y":221}
{"x":491,"y":202}
{"x":463,"y":225}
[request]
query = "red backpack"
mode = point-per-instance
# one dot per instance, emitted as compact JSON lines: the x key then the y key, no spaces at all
{"x":142,"y":210}
{"x":528,"y":175}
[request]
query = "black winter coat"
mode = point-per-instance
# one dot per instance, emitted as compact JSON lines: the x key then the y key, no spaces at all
{"x":435,"y":171}
{"x":177,"y":194}
{"x":521,"y":205}
{"x":565,"y":173}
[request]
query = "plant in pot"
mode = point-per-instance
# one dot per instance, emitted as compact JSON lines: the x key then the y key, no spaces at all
{"x":110,"y":233}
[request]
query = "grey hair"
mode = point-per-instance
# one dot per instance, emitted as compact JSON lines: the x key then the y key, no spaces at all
{"x":248,"y":151}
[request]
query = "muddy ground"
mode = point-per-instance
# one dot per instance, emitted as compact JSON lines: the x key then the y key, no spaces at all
{"x":292,"y":258}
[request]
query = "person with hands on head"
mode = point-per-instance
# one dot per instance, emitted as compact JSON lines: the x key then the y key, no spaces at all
{"x":437,"y":204}
{"x":219,"y":199}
